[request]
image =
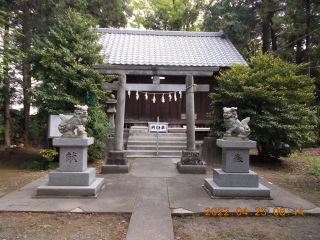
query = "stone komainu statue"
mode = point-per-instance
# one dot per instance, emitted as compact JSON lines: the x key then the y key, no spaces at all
{"x":67,"y":126}
{"x":241,"y":129}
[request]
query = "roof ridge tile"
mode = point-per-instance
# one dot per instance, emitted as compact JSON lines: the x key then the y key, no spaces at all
{"x":158,"y":32}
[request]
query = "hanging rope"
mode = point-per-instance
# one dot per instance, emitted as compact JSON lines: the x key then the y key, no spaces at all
{"x":194,"y":88}
{"x":160,"y":93}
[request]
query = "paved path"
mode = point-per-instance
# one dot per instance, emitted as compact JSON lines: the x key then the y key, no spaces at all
{"x":151,"y":218}
{"x":151,"y":191}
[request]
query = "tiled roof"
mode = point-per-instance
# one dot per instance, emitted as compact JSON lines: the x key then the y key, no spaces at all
{"x":167,"y":48}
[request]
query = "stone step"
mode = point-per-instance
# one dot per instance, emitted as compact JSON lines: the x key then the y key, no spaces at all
{"x":173,"y":135}
{"x":153,"y":156}
{"x":144,"y":144}
{"x":176,"y":153}
{"x":154,"y":147}
{"x":154,"y":143}
{"x":147,"y":138}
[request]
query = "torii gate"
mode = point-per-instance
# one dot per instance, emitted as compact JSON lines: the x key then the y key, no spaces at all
{"x":117,"y":159}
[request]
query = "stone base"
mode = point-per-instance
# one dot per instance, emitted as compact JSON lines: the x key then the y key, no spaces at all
{"x":191,"y":157}
{"x":234,"y":192}
{"x":85,"y":178}
{"x":106,"y":168}
{"x":191,"y":169}
{"x":117,"y":158}
{"x":70,"y":191}
{"x":224,"y":179}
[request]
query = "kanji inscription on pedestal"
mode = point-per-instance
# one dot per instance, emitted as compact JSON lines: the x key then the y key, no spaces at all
{"x":237,"y":158}
{"x":71,"y":157}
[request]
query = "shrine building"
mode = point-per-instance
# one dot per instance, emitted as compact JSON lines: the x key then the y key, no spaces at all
{"x":156,"y":64}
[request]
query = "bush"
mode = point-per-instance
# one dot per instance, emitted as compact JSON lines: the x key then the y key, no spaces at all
{"x":42,"y":161}
{"x":98,"y":126}
{"x":273,"y":94}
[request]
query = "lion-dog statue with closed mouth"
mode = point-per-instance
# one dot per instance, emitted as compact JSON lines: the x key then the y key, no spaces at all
{"x":240,"y":129}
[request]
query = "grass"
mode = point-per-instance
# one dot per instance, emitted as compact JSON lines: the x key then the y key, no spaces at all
{"x":13,"y":172}
{"x":314,"y":161}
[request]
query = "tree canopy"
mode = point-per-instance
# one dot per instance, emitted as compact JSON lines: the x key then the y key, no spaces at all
{"x":63,"y":68}
{"x":10,"y":58}
{"x":238,"y":19}
{"x":33,"y":18}
{"x":273,"y":94}
{"x":288,"y":28}
{"x":174,"y":15}
{"x":64,"y":64}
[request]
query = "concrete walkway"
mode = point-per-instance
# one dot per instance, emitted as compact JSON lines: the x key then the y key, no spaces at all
{"x":151,"y":218}
{"x":152,"y":191}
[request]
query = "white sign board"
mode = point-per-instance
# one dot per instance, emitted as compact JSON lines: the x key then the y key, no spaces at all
{"x":158,"y":127}
{"x":53,"y":123}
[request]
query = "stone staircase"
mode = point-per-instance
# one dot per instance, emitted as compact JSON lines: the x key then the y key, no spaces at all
{"x":142,"y":144}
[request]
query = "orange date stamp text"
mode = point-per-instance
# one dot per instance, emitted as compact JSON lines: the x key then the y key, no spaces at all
{"x":258,"y":212}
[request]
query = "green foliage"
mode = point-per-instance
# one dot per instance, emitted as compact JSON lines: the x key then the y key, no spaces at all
{"x":42,"y":161}
{"x":49,"y":154}
{"x":10,"y":58}
{"x":314,"y":161}
{"x":289,"y":28}
{"x":38,"y":128}
{"x":65,"y":73}
{"x":174,"y":15}
{"x":2,"y":129}
{"x":299,"y":30}
{"x":98,"y":126}
{"x":64,"y":64}
{"x":273,"y":94}
{"x":314,"y":171}
{"x":111,"y":13}
{"x":238,"y":19}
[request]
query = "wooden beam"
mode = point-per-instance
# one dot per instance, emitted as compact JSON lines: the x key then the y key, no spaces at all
{"x":156,"y":87}
{"x":156,"y":70}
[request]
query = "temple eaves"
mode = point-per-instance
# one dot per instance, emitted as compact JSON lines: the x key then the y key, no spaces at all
{"x":156,"y":70}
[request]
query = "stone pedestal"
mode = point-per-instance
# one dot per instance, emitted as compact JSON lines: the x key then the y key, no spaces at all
{"x":191,"y":163}
{"x":73,"y":177}
{"x":116,"y":163}
{"x":235,"y":179}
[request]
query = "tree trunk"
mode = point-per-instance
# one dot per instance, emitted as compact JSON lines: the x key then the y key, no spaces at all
{"x":26,"y":45}
{"x":273,"y":37}
{"x":299,"y":57}
{"x":267,"y":15}
{"x":265,"y":34}
{"x":6,"y":96}
{"x":307,"y":54}
{"x":26,"y":103}
{"x":6,"y":116}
